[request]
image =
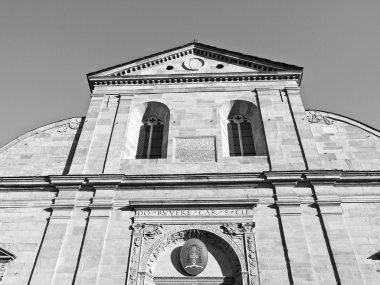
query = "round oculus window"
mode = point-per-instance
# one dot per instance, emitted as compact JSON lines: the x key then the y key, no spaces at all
{"x":194,"y":63}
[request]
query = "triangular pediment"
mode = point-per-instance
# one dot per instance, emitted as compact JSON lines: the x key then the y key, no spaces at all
{"x":194,"y":58}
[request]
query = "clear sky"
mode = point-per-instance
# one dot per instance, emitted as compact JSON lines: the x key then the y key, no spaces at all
{"x":48,"y":46}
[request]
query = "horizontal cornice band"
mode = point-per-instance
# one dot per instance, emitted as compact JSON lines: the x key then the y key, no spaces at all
{"x":267,"y":177}
{"x":193,"y":78}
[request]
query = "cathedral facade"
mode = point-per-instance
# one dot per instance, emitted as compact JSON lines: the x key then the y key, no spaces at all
{"x":195,"y":165}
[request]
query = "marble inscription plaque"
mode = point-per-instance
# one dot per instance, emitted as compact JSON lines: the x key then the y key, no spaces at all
{"x":195,"y":149}
{"x":193,"y":212}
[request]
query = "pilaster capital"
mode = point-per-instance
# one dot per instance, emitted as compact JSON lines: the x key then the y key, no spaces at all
{"x":65,"y":197}
{"x":289,"y":205}
{"x":100,"y":211}
{"x":103,"y":197}
{"x":61,"y":211}
{"x":292,"y":89}
{"x":329,"y":205}
{"x":260,"y":91}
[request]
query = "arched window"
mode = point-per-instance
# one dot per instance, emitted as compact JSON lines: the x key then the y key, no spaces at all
{"x":240,"y":136}
{"x":150,"y":139}
{"x":147,"y":131}
{"x":242,"y":131}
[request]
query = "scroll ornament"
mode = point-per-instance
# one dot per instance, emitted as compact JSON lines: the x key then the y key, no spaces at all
{"x":317,"y":117}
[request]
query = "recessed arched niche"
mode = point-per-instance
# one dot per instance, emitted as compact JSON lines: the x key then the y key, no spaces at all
{"x":165,"y":266}
{"x":242,"y":131}
{"x":144,"y":117}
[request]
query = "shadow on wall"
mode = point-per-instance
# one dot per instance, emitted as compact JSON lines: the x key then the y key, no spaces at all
{"x":221,"y":261}
{"x":175,"y":257}
{"x":375,"y":256}
{"x":73,"y":147}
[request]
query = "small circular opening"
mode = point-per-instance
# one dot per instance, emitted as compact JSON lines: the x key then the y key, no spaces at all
{"x":219,"y":66}
{"x":169,"y":67}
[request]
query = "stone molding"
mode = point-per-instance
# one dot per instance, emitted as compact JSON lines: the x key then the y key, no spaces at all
{"x":194,"y":78}
{"x":208,"y":202}
{"x":267,"y":180}
{"x":312,"y":176}
{"x":190,"y":280}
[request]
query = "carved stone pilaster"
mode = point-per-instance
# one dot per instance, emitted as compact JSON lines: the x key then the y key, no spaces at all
{"x":137,"y":240}
{"x":253,"y":271}
{"x":243,"y":235}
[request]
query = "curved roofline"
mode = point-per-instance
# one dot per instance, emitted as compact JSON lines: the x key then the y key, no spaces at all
{"x":37,"y":131}
{"x":350,"y":121}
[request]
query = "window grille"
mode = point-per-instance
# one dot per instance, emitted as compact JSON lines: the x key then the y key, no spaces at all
{"x":150,"y":139}
{"x":240,"y":136}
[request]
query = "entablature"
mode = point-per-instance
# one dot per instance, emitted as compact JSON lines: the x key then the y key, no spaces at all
{"x":181,"y":79}
{"x":330,"y":177}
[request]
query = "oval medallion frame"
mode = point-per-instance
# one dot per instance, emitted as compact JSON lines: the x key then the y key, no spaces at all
{"x":194,"y":256}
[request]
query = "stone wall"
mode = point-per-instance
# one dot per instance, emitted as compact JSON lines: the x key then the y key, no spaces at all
{"x":44,"y":151}
{"x":298,"y":239}
{"x":345,"y":144}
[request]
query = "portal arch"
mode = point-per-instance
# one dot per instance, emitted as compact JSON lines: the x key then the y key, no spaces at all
{"x":177,"y":235}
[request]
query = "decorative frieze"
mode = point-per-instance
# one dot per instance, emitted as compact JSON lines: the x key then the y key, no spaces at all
{"x":154,"y":80}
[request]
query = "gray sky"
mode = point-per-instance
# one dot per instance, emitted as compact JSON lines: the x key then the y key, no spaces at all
{"x":48,"y":46}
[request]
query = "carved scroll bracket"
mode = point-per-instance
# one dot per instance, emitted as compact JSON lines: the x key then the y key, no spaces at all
{"x":318,"y":117}
{"x":238,"y":229}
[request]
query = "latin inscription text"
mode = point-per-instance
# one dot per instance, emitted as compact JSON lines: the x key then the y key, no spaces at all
{"x":226,"y":212}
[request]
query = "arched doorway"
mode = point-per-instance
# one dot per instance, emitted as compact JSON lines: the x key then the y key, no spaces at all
{"x":155,"y":259}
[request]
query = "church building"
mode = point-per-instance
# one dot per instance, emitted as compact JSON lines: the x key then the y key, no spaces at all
{"x":194,"y":165}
